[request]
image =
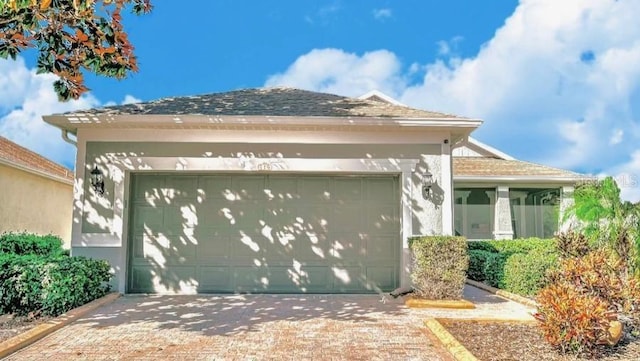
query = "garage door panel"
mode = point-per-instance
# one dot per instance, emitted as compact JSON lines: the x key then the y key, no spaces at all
{"x":248,"y":189}
{"x":149,"y":218}
{"x":384,"y":276}
{"x":315,"y":189}
{"x":181,"y":188}
{"x":347,"y":190}
{"x":379,"y":248}
{"x":264,"y":233}
{"x":381,"y":219}
{"x":282,"y":189}
{"x":347,"y":278}
{"x":149,"y":189}
{"x":381,"y":189}
{"x":215,"y":279}
{"x":306,"y":250}
{"x":346,"y":219}
{"x":215,"y":188}
{"x":213,"y":246}
{"x":347,"y":247}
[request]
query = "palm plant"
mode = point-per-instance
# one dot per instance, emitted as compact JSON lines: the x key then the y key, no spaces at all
{"x":609,"y":221}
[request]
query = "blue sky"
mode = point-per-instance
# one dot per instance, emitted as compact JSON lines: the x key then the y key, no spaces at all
{"x":556,"y":82}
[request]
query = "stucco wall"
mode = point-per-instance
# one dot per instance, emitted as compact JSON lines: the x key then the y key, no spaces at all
{"x":100,"y":228}
{"x":33,"y":203}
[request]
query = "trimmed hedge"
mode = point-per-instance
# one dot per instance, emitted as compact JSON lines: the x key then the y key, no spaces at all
{"x":439,"y":266}
{"x":525,"y":274}
{"x":27,"y":243}
{"x":520,"y":245}
{"x":50,"y":285}
{"x":518,"y":265}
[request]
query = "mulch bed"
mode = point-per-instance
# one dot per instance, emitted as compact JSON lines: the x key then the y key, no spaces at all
{"x":502,"y":341}
{"x":12,"y":326}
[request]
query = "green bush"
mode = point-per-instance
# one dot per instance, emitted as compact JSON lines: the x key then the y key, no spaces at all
{"x":50,"y":285}
{"x":525,"y":274}
{"x":520,"y":245}
{"x":477,"y":260}
{"x":439,"y":266}
{"x":494,"y":269}
{"x":28,"y":243}
{"x":488,"y":259}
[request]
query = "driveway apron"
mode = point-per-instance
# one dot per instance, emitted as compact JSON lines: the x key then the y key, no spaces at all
{"x":244,"y":327}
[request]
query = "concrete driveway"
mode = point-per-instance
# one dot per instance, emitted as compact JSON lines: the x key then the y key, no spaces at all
{"x":244,"y":327}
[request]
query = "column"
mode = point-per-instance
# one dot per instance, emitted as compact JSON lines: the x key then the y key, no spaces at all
{"x":566,"y":202}
{"x":502,"y":228}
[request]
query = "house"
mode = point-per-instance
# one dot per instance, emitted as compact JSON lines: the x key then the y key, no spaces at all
{"x":36,"y":194}
{"x":286,"y":190}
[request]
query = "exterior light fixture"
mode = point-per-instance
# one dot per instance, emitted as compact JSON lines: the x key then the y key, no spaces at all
{"x":97,"y":181}
{"x":427,"y":183}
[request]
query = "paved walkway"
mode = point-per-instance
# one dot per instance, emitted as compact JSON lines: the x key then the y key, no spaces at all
{"x":258,"y":327}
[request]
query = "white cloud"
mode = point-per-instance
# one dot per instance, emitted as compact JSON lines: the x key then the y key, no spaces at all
{"x":130,"y":99}
{"x":338,"y":72}
{"x":616,"y":137}
{"x":449,"y":48}
{"x":382,"y":14}
{"x":552,"y":84}
{"x":24,"y":98}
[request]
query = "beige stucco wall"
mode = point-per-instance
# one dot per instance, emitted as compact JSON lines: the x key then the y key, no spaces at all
{"x":34,"y":203}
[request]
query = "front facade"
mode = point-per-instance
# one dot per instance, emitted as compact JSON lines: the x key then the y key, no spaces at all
{"x":36,"y":194}
{"x":262,"y":190}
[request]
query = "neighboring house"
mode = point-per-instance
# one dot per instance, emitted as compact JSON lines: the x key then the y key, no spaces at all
{"x":36,"y":194}
{"x":282,"y":190}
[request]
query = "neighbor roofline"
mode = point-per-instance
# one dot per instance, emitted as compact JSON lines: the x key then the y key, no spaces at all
{"x":36,"y":171}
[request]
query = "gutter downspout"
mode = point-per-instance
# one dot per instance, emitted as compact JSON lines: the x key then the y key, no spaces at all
{"x":65,"y":137}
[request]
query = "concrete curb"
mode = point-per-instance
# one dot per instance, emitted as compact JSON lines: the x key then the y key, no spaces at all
{"x":413,"y":302}
{"x":27,"y":338}
{"x":502,"y":293}
{"x":455,"y":348}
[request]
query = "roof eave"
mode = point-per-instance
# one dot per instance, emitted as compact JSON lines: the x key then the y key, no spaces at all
{"x":522,"y":179}
{"x":71,"y":122}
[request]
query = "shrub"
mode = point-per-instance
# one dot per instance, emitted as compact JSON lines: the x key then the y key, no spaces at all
{"x":477,"y":260}
{"x":50,"y":285}
{"x":494,"y":269}
{"x":572,"y":321}
{"x":439,"y":266}
{"x":525,"y":274}
{"x":488,"y":259}
{"x":520,"y":245}
{"x":571,"y":244}
{"x":27,"y":243}
{"x":584,"y":295}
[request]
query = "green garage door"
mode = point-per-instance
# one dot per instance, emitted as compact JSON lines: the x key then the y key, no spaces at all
{"x":263,"y":233}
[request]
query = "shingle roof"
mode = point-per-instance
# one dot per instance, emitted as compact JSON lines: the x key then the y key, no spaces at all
{"x":493,"y":167}
{"x":269,"y":102}
{"x":16,"y":154}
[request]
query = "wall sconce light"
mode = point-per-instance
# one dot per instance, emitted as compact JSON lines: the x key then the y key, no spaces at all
{"x":427,"y":183}
{"x":97,"y":181}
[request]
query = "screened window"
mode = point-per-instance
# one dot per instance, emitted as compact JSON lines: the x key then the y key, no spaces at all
{"x":534,"y":212}
{"x":474,"y":212}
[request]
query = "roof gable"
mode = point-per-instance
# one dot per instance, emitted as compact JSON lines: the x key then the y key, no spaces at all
{"x":18,"y":156}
